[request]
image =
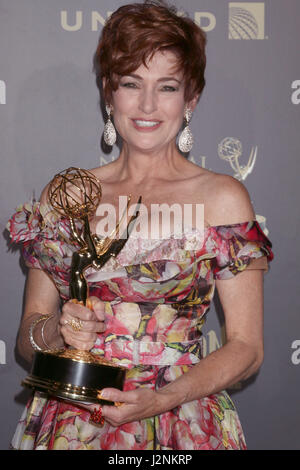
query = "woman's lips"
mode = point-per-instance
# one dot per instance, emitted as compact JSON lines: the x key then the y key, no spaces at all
{"x":146,"y":125}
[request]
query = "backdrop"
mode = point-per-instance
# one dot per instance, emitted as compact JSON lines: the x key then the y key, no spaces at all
{"x":246,"y":125}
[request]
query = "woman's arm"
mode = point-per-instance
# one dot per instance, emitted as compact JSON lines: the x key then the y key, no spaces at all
{"x":242,"y":301}
{"x":41,"y":298}
{"x":242,"y":355}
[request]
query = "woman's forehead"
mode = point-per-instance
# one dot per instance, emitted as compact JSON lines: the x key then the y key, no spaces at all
{"x":161,"y":64}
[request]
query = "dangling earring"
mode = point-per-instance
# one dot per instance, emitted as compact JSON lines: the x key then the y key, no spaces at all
{"x":186,"y":140}
{"x":109,"y":133}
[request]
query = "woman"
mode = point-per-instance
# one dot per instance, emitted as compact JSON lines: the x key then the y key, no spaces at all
{"x":148,"y":305}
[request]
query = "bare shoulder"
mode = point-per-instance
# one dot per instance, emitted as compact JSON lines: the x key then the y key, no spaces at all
{"x":228,"y":201}
{"x":106,"y":172}
{"x":44,"y":194}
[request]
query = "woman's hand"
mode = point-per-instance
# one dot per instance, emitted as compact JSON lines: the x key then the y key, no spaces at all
{"x":89,"y":319}
{"x":133,"y":405}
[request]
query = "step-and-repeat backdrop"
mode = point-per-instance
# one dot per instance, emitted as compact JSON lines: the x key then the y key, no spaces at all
{"x":246,"y":125}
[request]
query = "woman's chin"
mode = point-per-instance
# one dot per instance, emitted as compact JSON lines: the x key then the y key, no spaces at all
{"x":149,"y":146}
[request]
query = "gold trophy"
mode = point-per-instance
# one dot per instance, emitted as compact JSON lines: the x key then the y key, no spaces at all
{"x":70,"y":373}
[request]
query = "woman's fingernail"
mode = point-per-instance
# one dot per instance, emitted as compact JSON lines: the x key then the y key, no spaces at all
{"x":102,"y":394}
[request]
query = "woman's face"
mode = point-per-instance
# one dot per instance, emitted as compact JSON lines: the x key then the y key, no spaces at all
{"x":148,"y":106}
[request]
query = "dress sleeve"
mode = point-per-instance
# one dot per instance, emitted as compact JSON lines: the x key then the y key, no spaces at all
{"x":43,"y":234}
{"x":240,"y":246}
{"x":25,"y":227}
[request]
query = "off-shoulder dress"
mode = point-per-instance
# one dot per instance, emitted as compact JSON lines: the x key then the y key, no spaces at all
{"x":157,"y":294}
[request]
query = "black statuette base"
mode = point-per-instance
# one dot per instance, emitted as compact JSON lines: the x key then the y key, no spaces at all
{"x":70,"y":379}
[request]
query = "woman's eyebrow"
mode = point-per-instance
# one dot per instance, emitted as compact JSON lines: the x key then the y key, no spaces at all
{"x":167,"y":79}
{"x":162,"y":79}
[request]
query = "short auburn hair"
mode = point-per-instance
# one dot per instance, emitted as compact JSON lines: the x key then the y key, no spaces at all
{"x":135,"y":32}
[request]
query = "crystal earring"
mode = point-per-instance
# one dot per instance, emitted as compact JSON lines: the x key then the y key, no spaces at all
{"x":109,"y":133}
{"x":186,"y":140}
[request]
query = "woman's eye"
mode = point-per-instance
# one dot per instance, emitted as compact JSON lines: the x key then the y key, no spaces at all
{"x":129,"y":85}
{"x":169,"y":88}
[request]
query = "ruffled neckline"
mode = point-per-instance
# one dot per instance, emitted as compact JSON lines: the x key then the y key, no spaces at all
{"x":39,"y":221}
{"x":226,"y":250}
{"x":42,"y":216}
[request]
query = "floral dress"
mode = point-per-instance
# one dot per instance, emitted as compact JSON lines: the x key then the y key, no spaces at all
{"x":157,"y":294}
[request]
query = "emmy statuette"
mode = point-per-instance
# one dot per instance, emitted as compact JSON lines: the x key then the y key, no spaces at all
{"x":70,"y":373}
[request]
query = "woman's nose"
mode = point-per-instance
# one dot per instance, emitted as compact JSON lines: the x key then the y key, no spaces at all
{"x":147,"y":102}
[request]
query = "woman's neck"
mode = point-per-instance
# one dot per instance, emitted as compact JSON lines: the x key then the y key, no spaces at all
{"x":136,"y":165}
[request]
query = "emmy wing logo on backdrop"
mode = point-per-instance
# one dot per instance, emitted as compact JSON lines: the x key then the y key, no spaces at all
{"x":246,"y":20}
{"x":230,"y":150}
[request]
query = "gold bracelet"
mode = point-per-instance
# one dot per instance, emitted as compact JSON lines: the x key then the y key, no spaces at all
{"x":31,"y":329}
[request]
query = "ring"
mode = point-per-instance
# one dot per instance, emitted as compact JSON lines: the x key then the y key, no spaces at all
{"x":96,"y":417}
{"x":76,"y":324}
